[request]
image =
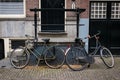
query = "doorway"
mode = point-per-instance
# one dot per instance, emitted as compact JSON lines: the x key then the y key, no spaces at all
{"x":105,"y":16}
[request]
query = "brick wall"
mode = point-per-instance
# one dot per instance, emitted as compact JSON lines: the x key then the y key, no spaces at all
{"x":84,"y":4}
{"x":79,"y":3}
{"x":30,"y":4}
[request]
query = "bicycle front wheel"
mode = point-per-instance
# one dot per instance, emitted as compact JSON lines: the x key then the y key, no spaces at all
{"x":19,"y":58}
{"x":54,"y":57}
{"x":75,"y":59}
{"x":107,"y":57}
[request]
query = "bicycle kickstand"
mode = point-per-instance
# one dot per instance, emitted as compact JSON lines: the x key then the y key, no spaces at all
{"x":38,"y":62}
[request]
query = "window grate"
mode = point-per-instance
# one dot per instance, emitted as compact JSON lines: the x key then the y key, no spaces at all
{"x":98,"y":10}
{"x":115,"y":10}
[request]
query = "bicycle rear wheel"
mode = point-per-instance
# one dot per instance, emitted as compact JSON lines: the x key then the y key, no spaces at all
{"x":107,"y":57}
{"x":19,"y":58}
{"x":75,"y":59}
{"x":54,"y":57}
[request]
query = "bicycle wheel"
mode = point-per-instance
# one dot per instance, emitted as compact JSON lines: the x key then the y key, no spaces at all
{"x":19,"y":57}
{"x":75,"y":59}
{"x":107,"y":57}
{"x":54,"y":57}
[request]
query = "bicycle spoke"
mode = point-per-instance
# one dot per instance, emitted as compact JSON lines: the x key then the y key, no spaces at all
{"x":19,"y":58}
{"x":73,"y":61}
{"x":54,"y":57}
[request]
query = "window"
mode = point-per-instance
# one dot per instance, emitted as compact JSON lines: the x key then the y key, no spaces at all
{"x":17,"y":43}
{"x":115,"y":10}
{"x":98,"y":10}
{"x":52,"y":20}
{"x":12,"y":8}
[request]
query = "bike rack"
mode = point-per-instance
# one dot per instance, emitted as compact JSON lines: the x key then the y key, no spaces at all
{"x":77,"y":11}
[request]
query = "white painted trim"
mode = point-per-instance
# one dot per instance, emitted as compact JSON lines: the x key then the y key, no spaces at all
{"x":6,"y":47}
{"x":65,"y":27}
{"x":24,"y":8}
{"x":39,"y":29}
{"x":16,"y":16}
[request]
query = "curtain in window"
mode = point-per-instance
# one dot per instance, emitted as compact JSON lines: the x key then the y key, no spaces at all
{"x":11,"y":7}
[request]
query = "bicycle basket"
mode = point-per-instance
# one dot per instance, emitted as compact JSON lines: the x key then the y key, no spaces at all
{"x":29,"y":44}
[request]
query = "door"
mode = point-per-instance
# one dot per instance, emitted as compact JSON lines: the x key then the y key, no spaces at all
{"x":52,"y":21}
{"x":1,"y":49}
{"x":105,"y":16}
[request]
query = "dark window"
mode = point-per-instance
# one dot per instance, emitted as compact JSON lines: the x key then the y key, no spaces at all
{"x":17,"y":43}
{"x":52,"y":21}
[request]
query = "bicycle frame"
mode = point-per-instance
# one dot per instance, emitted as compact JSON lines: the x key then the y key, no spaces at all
{"x":97,"y":47}
{"x":35,"y":51}
{"x":81,"y":58}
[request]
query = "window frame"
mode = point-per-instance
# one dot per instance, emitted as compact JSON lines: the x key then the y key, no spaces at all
{"x":115,"y":13}
{"x":97,"y":15}
{"x":109,"y":10}
{"x":52,"y":31}
{"x":16,"y":15}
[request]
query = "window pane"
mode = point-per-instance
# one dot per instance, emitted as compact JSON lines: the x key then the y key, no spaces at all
{"x":17,"y":43}
{"x":11,"y":0}
{"x":98,"y":10}
{"x":115,"y":10}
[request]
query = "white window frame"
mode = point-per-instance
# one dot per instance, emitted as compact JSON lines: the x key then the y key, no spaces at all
{"x":16,"y":15}
{"x":64,"y":17}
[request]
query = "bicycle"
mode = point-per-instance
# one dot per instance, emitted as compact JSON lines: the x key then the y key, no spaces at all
{"x":78,"y":59}
{"x":52,"y":55}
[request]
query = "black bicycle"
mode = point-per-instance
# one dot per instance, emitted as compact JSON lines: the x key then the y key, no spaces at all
{"x":53,"y":55}
{"x":77,"y":57}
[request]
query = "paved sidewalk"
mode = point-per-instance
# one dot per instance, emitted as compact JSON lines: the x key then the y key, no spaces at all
{"x":97,"y":71}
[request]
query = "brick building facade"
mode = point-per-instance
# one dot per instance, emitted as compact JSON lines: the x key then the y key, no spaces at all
{"x":14,"y":28}
{"x":16,"y":21}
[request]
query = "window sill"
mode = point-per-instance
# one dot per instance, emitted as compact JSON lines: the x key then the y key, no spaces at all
{"x":52,"y":33}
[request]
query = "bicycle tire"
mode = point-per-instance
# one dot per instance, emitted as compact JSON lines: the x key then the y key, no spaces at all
{"x":73,"y":61}
{"x":54,"y":57}
{"x":19,"y":58}
{"x":107,"y":57}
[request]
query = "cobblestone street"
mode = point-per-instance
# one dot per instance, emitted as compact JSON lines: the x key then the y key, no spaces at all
{"x":97,"y":71}
{"x":66,"y":34}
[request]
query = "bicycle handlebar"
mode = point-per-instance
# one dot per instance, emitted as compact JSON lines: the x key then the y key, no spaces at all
{"x":93,"y":35}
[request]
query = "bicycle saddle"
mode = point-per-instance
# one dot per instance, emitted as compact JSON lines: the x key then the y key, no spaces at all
{"x":46,"y":40}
